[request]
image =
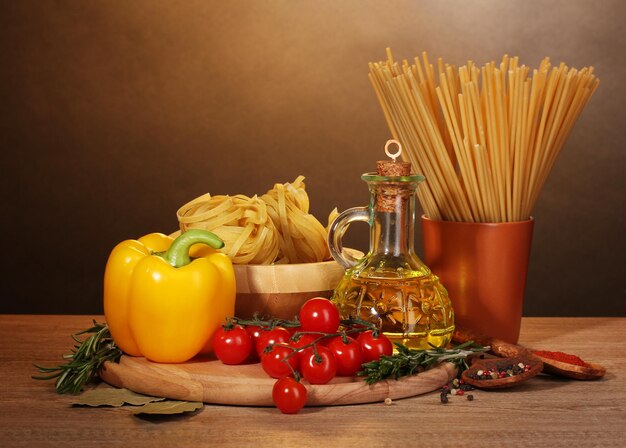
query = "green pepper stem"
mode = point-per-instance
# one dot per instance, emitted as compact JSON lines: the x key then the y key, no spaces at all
{"x":178,"y":253}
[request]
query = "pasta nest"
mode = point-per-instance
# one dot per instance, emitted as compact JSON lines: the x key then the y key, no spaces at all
{"x":275,"y":228}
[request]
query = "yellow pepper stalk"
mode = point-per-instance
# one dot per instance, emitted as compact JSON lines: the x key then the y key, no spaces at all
{"x":160,"y":304}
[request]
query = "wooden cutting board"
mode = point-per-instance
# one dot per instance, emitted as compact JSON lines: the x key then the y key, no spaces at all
{"x":211,"y":381}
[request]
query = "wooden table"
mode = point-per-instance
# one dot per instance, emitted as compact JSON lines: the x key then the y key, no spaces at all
{"x":546,"y":411}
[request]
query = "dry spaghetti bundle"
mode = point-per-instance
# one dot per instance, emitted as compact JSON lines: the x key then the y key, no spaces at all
{"x":485,"y":137}
{"x":276,"y":228}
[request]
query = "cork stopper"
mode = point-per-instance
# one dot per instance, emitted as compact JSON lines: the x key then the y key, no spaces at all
{"x":390,"y":168}
{"x":388,"y":195}
{"x":393,"y":167}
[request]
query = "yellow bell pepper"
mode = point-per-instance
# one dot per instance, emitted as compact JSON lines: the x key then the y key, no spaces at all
{"x":160,"y":304}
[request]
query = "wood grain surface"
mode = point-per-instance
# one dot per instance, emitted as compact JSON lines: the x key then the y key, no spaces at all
{"x":545,"y":411}
{"x":213,"y":382}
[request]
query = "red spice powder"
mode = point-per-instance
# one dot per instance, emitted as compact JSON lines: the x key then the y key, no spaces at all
{"x":562,"y":357}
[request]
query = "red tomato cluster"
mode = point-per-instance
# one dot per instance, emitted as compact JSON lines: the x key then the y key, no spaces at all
{"x":316,"y":349}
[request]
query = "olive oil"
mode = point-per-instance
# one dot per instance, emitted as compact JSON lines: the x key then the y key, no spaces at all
{"x":414,"y":311}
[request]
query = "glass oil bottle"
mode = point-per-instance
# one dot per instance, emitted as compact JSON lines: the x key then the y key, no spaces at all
{"x":391,"y":287}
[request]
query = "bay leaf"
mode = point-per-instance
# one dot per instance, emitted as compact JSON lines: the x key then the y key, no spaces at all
{"x":105,"y":395}
{"x":168,"y":407}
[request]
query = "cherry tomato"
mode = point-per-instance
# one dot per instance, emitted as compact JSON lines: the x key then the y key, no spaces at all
{"x":254,"y":332}
{"x":303,"y":340}
{"x":289,"y":395}
{"x":232,"y":346}
{"x":276,"y":336}
{"x":318,"y":368}
{"x":348,"y":355}
{"x":319,"y":314}
{"x":276,"y":364}
{"x":374,"y":347}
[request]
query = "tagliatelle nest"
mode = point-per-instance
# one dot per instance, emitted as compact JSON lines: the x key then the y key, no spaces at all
{"x":276,"y":228}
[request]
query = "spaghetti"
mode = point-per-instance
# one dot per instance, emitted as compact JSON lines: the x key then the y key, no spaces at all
{"x":485,"y":138}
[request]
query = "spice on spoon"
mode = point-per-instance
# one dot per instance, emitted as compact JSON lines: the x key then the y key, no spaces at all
{"x":570,"y":366}
{"x":561,"y":357}
{"x":500,"y":372}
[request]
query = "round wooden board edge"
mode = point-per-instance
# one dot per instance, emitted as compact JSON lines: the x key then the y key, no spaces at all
{"x":257,"y":392}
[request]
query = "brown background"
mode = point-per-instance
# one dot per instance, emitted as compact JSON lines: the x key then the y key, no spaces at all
{"x":115,"y":113}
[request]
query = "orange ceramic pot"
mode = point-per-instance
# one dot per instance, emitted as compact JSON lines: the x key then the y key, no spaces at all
{"x":483,"y":266}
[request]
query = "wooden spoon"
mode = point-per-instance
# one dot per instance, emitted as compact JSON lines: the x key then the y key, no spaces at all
{"x":589,"y":372}
{"x":498,"y":364}
{"x":508,"y":350}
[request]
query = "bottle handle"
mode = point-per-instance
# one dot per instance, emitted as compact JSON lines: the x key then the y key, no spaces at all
{"x":337,"y":230}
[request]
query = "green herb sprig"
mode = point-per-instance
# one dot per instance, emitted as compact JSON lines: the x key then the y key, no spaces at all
{"x":84,"y":362}
{"x":259,"y":321}
{"x":409,"y":361}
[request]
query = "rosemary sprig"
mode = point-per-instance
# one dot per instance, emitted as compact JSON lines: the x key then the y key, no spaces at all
{"x":84,"y":362}
{"x":258,"y":321}
{"x":351,"y":325}
{"x":409,"y":361}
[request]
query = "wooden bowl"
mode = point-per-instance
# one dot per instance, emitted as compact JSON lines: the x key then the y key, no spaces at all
{"x":280,"y":290}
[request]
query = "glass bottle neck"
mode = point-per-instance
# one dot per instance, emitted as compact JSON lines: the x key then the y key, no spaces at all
{"x":392,"y":229}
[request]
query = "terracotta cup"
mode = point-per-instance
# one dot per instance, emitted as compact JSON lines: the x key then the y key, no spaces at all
{"x":483,"y":266}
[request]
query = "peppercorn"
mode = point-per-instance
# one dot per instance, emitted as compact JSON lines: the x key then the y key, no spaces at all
{"x":470,"y":397}
{"x":500,"y":372}
{"x":444,"y":398}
